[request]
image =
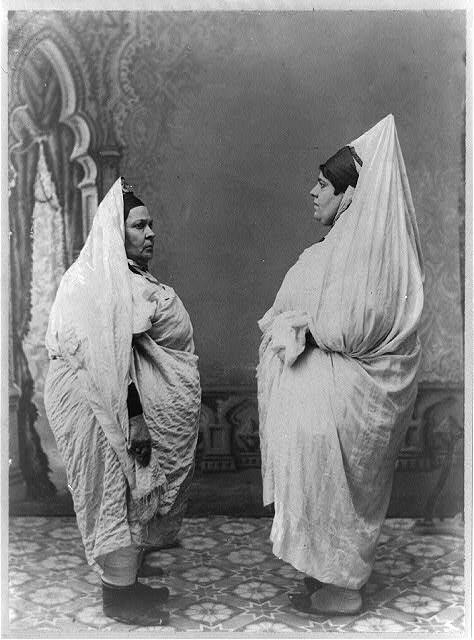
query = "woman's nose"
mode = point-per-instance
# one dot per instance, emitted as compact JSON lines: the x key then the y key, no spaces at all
{"x":314,"y":191}
{"x":150,"y":233}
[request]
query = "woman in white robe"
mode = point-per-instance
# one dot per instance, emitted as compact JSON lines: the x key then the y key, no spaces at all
{"x":123,"y":398}
{"x":337,"y":377}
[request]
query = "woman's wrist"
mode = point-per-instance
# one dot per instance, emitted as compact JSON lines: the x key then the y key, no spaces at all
{"x":139,"y":439}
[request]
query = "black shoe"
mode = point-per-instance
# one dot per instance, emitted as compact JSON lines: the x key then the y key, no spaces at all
{"x":300,"y":601}
{"x":329,"y":601}
{"x":155,"y":594}
{"x":129,"y":605}
{"x":312,"y":585}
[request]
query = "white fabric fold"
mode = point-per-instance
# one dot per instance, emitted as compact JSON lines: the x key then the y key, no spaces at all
{"x":90,"y":324}
{"x":101,"y":306}
{"x":331,"y":424}
{"x":289,"y":335}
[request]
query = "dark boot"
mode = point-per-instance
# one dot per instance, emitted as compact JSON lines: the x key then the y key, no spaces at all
{"x":154,"y":594}
{"x":130,"y":605}
{"x":310,"y":586}
{"x":329,"y":600}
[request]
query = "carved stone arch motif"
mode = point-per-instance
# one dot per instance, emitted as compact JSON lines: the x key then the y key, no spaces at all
{"x":50,"y":109}
{"x":243,"y":418}
{"x":50,"y":44}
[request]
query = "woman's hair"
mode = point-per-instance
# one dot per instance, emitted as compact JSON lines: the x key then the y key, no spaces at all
{"x":341,"y":169}
{"x":130,"y":200}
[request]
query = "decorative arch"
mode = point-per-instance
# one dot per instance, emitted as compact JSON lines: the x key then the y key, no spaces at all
{"x":30,"y":439}
{"x":72,"y":92}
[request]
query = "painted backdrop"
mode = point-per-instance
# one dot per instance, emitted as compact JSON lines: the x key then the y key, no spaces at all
{"x":220,"y":120}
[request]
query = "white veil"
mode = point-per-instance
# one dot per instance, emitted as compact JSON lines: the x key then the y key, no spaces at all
{"x":374,"y":266}
{"x":332,"y":418}
{"x":90,"y":323}
{"x":366,"y":278}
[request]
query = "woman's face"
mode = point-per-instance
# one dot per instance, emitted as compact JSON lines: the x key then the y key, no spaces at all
{"x":139,"y":236}
{"x":326,"y":203}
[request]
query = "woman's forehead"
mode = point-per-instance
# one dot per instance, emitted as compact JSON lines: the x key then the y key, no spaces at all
{"x":138,"y":213}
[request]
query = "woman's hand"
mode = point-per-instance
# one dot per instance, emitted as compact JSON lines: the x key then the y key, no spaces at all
{"x":281,"y":354}
{"x":140,"y":440}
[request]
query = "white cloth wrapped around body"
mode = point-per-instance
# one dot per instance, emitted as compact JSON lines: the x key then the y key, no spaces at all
{"x":288,"y":332}
{"x":100,"y":308}
{"x":332,"y":420}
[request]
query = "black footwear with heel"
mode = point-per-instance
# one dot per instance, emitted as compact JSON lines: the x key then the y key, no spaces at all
{"x":312,"y":585}
{"x":302,"y":599}
{"x":134,"y":605}
{"x":159,"y":595}
{"x":329,"y":600}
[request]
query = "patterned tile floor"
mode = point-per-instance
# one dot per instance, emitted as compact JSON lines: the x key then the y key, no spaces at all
{"x":225,"y":578}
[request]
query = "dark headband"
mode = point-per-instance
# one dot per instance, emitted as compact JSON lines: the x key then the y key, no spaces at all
{"x":130,"y":201}
{"x":341,"y":170}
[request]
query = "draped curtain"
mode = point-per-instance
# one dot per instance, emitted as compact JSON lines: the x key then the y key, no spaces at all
{"x":41,"y":93}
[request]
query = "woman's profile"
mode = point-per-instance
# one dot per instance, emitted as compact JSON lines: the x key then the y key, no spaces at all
{"x":337,"y":377}
{"x":123,"y":398}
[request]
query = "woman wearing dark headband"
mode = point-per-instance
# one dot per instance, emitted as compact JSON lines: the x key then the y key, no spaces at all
{"x":337,"y":377}
{"x":336,"y":175}
{"x":123,"y":398}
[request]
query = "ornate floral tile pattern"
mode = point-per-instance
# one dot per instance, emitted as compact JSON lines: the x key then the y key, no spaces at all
{"x":224,"y":577}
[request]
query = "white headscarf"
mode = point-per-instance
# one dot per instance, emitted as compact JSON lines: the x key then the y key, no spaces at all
{"x":332,"y":419}
{"x":90,"y":323}
{"x":375,"y":265}
{"x":364,"y":284}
